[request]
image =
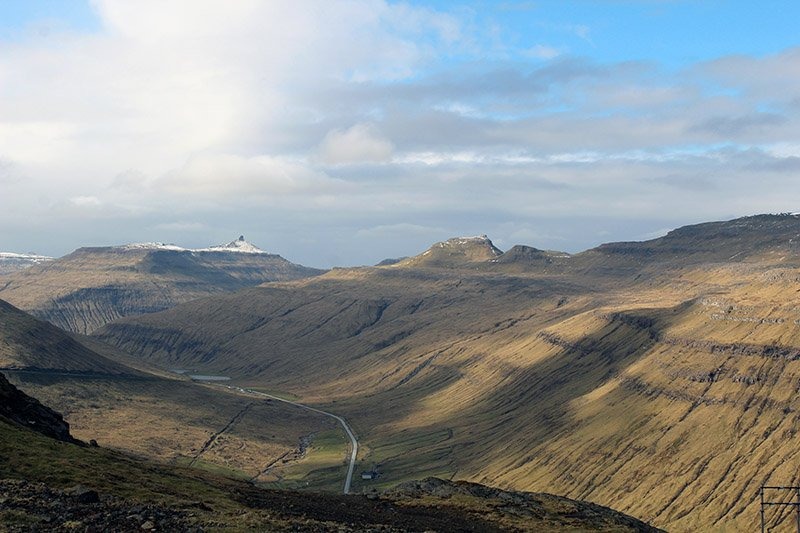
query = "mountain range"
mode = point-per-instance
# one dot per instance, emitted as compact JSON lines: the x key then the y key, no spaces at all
{"x":658,"y":378}
{"x":92,"y":286}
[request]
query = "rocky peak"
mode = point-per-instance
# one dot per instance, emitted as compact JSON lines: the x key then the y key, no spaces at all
{"x":21,"y":409}
{"x":238,"y":245}
{"x":455,"y":252}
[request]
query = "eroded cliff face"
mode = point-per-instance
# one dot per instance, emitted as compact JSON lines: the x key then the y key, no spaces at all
{"x":18,"y":407}
{"x":93,"y":286}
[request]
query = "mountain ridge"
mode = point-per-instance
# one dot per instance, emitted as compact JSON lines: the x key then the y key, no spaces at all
{"x":94,"y":285}
{"x":27,"y":343}
{"x":238,"y":245}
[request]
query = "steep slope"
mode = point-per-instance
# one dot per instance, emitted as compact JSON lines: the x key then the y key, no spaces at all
{"x":367,"y":317}
{"x":92,"y":286}
{"x":115,"y":492}
{"x":662,"y":383}
{"x":126,"y":405}
{"x":700,"y":416}
{"x":27,"y":343}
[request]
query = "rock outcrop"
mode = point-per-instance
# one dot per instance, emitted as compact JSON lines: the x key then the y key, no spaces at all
{"x":21,"y":409}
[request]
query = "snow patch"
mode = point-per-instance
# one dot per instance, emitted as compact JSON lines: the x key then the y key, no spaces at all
{"x":478,"y":239}
{"x":152,"y":246}
{"x":27,"y":257}
{"x":239,"y":245}
{"x":481,"y":240}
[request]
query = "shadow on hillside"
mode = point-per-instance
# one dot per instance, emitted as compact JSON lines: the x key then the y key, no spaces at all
{"x":531,"y":407}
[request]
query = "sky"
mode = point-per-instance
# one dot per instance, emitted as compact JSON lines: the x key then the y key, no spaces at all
{"x":344,"y":132}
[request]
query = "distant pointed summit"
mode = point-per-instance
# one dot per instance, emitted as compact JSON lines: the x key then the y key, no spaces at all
{"x":239,"y":245}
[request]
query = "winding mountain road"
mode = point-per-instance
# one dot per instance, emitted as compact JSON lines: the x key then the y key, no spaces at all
{"x":353,"y":441}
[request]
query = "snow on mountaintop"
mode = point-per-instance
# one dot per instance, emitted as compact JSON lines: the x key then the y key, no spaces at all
{"x":467,"y":240}
{"x":152,"y":246}
{"x":478,"y":239}
{"x":239,"y":245}
{"x":11,"y":262}
{"x":29,"y":257}
{"x":455,"y":252}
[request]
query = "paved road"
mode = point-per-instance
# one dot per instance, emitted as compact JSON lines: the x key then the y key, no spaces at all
{"x":353,"y":441}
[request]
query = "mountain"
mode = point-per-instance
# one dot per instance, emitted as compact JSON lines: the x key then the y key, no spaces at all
{"x":454,"y":253}
{"x":27,"y":343}
{"x":658,"y":378}
{"x":12,"y":262}
{"x":753,"y":238}
{"x":92,"y":286}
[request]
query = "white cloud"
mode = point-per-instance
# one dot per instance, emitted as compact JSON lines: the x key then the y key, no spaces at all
{"x":402,"y":229}
{"x":784,"y":150}
{"x":163,"y":81}
{"x":355,"y":114}
{"x":245,"y":180}
{"x":541,"y":51}
{"x":85,"y":201}
{"x":182,"y":226}
{"x":361,"y":143}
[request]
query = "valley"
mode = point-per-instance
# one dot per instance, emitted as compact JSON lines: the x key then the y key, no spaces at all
{"x":42,"y":461}
{"x":399,"y":266}
{"x":657,"y":378}
{"x":185,"y":423}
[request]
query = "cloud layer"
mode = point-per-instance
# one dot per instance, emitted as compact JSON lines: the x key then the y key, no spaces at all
{"x":343,"y":132}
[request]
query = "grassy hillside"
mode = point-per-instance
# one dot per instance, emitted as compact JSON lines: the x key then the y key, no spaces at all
{"x":28,"y":343}
{"x":183,"y":423}
{"x":41,"y":478}
{"x":163,"y":416}
{"x":658,"y":377}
